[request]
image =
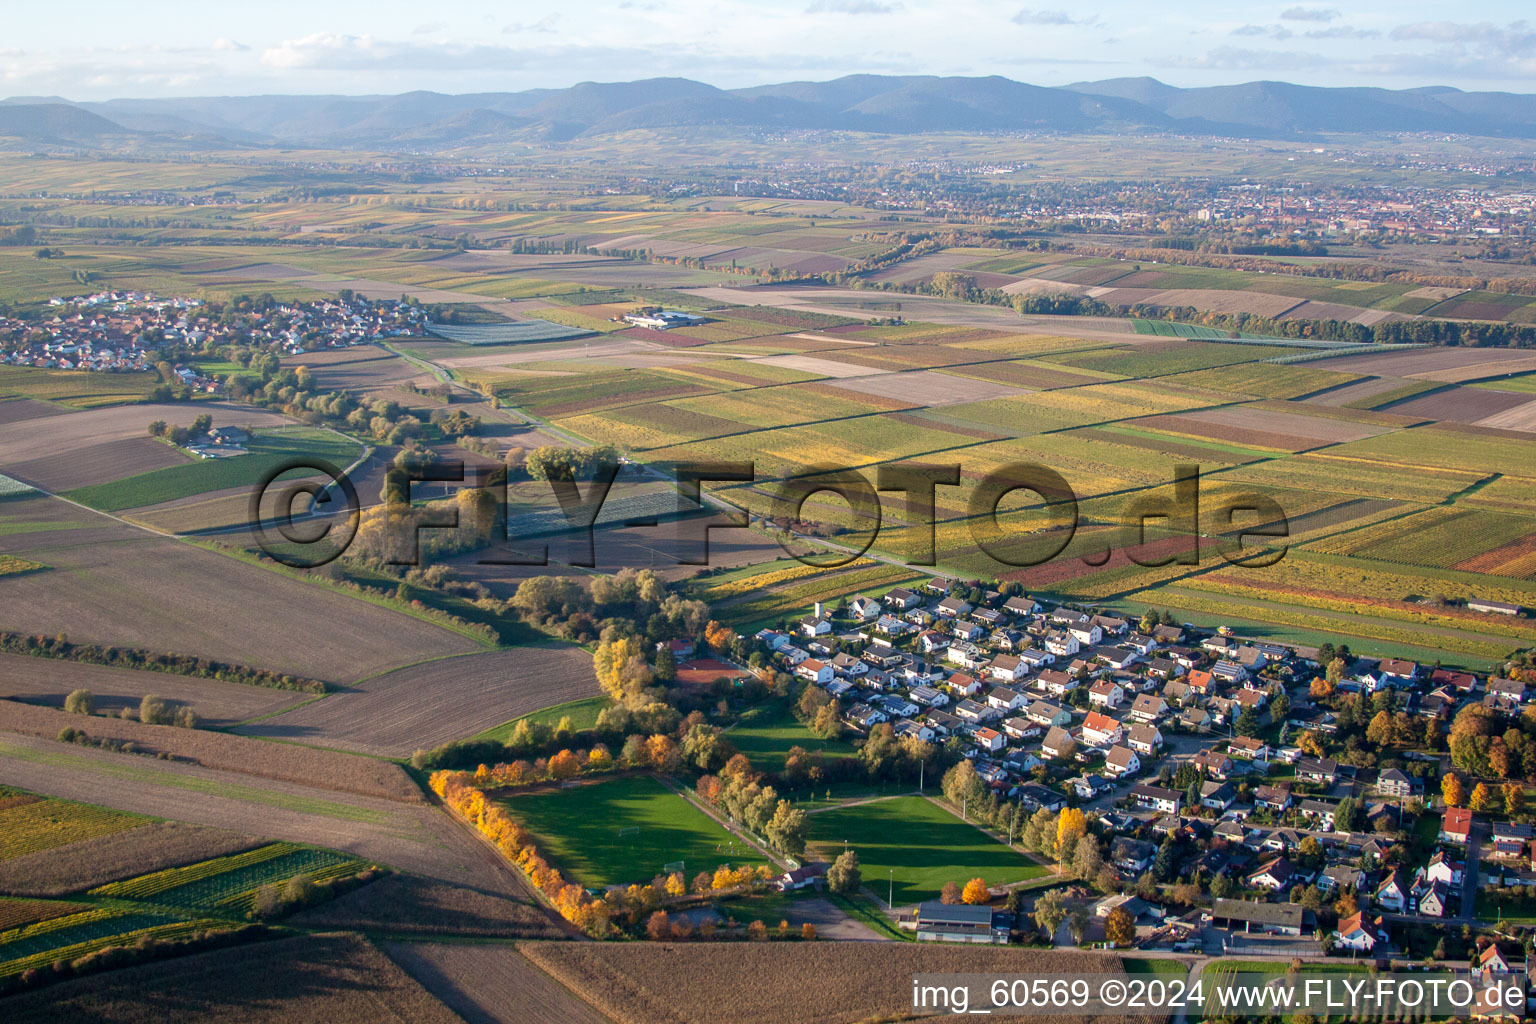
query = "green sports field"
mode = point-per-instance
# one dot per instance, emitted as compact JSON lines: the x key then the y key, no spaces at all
{"x":924,"y":844}
{"x":577,"y":830}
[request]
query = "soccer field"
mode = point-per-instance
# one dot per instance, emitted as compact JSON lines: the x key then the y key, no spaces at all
{"x":921,"y":842}
{"x":578,"y":830}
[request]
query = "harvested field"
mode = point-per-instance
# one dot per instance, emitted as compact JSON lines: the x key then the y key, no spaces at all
{"x":420,"y":839}
{"x":322,"y":768}
{"x":1520,"y":417}
{"x":1265,"y":428}
{"x":119,"y":585}
{"x":1219,"y":300}
{"x":66,"y":439}
{"x":1435,"y":363}
{"x":1464,"y":405}
{"x":17,"y":410}
{"x":84,"y":865}
{"x":103,"y":463}
{"x":47,"y":682}
{"x":492,"y":984}
{"x":405,"y":905}
{"x":928,"y":387}
{"x":317,"y":979}
{"x":743,"y":983}
{"x":1315,"y":310}
{"x":436,"y":701}
{"x":821,"y":367}
{"x":1351,"y":394}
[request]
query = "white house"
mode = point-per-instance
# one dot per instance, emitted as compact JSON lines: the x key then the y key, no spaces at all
{"x":818,"y":672}
{"x":1122,"y":761}
{"x":1106,"y":694}
{"x":1100,"y":730}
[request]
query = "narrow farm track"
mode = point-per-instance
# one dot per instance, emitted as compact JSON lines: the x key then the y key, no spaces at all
{"x":421,"y":839}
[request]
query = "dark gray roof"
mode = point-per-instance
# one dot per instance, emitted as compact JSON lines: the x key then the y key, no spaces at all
{"x":1284,"y":914}
{"x":935,"y":912}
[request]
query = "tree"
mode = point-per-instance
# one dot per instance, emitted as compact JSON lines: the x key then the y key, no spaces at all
{"x":976,"y":892}
{"x":844,"y":875}
{"x":1514,"y":800}
{"x":1452,"y":791}
{"x":1050,"y":911}
{"x":1164,"y":863}
{"x":1346,"y":817}
{"x":1077,"y":922}
{"x":153,"y":710}
{"x":80,"y":702}
{"x":1086,"y":860}
{"x":564,"y":765}
{"x":1379,"y":732}
{"x":950,"y":894}
{"x":786,"y":829}
{"x":1120,"y":927}
{"x":719,"y":637}
{"x":1070,"y":827}
{"x":1482,"y":797}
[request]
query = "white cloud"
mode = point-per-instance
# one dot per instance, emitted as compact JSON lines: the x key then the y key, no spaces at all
{"x":1267,"y":31}
{"x":1030,"y":17}
{"x":1309,"y":14}
{"x":1342,"y":32}
{"x":852,"y":7}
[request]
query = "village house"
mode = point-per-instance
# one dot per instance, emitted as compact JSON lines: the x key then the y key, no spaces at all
{"x":1058,"y":743}
{"x":1122,"y":761}
{"x":1106,"y":694}
{"x":1148,"y":708}
{"x":1146,"y":740}
{"x":1456,"y":826}
{"x":1100,"y":730}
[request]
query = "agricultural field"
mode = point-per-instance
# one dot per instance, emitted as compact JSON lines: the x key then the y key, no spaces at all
{"x":119,"y":585}
{"x":114,"y":856}
{"x":624,"y":830}
{"x":268,"y":449}
{"x":305,"y":978}
{"x":918,"y":844}
{"x":422,"y":705}
{"x":743,"y":983}
{"x":30,"y":824}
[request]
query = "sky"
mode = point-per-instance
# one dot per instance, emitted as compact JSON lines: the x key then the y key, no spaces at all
{"x":94,"y":50}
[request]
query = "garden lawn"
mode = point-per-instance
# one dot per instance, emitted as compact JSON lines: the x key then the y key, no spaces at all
{"x":577,"y":829}
{"x":922,"y":842}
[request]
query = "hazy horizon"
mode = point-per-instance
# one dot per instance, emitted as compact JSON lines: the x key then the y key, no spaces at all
{"x":97,"y":51}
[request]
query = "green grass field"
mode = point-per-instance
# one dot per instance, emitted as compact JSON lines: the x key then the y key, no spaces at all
{"x":922,"y":843}
{"x":583,"y":715}
{"x":268,"y":451}
{"x":577,"y":829}
{"x":766,"y":734}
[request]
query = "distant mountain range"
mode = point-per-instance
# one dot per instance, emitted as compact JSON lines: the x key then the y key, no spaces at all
{"x":863,"y":103}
